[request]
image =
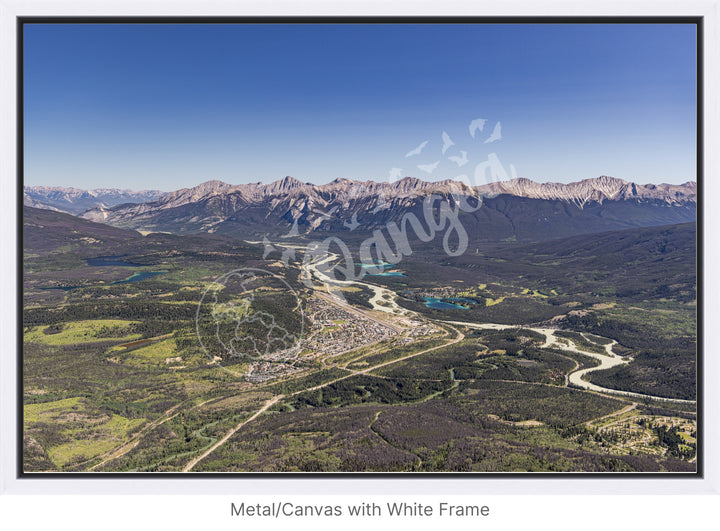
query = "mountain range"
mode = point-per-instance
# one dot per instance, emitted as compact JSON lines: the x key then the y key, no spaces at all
{"x":76,"y":201}
{"x":516,"y":210}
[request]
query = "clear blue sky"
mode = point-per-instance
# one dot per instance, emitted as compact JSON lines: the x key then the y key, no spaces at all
{"x":170,"y":106}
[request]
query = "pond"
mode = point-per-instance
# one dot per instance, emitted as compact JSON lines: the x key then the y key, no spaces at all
{"x":101,"y":261}
{"x":438,"y":303}
{"x":107,"y":261}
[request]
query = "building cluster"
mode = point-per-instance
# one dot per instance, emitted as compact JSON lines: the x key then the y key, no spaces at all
{"x":330,"y":331}
{"x":334,"y":330}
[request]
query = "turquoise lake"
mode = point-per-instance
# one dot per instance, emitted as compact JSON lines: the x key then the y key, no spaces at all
{"x":439,"y":303}
{"x":382,"y":266}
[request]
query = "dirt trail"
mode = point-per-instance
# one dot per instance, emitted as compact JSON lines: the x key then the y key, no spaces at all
{"x":229,"y":434}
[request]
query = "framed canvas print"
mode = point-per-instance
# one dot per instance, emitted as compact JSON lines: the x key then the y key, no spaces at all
{"x":350,"y":264}
{"x":394,"y":246}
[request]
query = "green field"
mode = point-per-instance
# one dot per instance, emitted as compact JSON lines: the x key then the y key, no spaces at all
{"x":83,"y":332}
{"x":81,"y":431}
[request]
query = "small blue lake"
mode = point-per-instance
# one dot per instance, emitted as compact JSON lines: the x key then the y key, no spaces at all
{"x":135,"y":277}
{"x":438,"y":303}
{"x":101,"y":261}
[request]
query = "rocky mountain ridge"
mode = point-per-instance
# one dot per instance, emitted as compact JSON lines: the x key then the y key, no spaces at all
{"x":599,"y":189}
{"x":77,"y":201}
{"x":341,"y":190}
{"x":520,"y":208}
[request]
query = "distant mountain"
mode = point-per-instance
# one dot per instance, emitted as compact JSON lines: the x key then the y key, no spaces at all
{"x":29,"y":201}
{"x":597,"y":190}
{"x":520,"y":209}
{"x":46,"y":231}
{"x":75,"y":201}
